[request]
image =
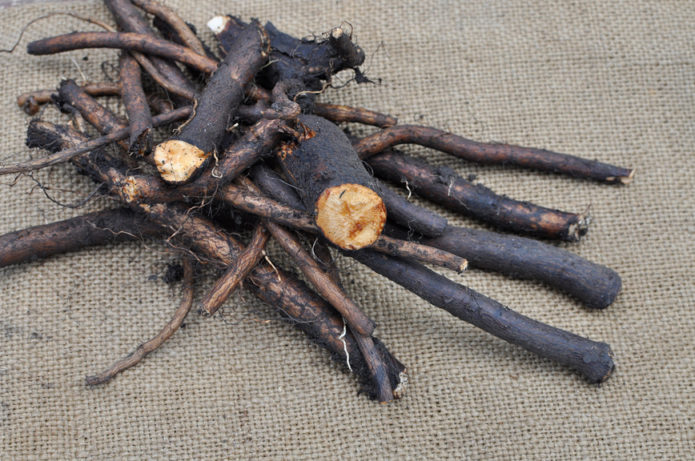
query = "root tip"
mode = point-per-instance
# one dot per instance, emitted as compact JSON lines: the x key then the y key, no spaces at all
{"x":93,"y":381}
{"x":627,"y":179}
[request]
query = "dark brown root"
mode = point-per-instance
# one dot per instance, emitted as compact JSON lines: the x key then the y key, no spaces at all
{"x":161,"y":80}
{"x":592,"y":359}
{"x":161,"y":104}
{"x":594,"y":285}
{"x":136,"y":106}
{"x":378,"y":368}
{"x":268,"y":78}
{"x":443,"y":186}
{"x":338,"y":113}
{"x":237,"y":272}
{"x":417,"y":252}
{"x":63,"y":155}
{"x":322,"y":255}
{"x":383,"y":389}
{"x":277,"y":106}
{"x":256,"y":93}
{"x":281,"y":290}
{"x":311,"y":62}
{"x":166,"y":14}
{"x":70,"y":95}
{"x":73,"y":234}
{"x":414,"y":218}
{"x":124,"y":40}
{"x":130,"y":20}
{"x":32,"y":101}
{"x":321,"y":281}
{"x":272,"y":210}
{"x":256,"y":142}
{"x":153,"y":344}
{"x":276,"y":187}
{"x":500,"y":154}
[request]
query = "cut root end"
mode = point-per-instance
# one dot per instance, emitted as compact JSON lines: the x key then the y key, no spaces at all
{"x":178,"y":161}
{"x":351,"y":216}
{"x":218,"y":24}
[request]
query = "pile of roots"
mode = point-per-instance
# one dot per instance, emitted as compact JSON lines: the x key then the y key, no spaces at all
{"x":247,"y":134}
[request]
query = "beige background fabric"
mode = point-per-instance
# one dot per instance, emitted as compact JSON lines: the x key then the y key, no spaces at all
{"x":606,"y":80}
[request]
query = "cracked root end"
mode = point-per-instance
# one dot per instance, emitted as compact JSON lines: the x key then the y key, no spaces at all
{"x":178,"y":161}
{"x":580,"y":228}
{"x":402,"y":385}
{"x":351,"y":216}
{"x":627,"y":179}
{"x":608,"y":374}
{"x":584,"y":222}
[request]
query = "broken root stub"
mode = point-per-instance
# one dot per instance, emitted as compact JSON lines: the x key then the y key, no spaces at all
{"x":71,"y":96}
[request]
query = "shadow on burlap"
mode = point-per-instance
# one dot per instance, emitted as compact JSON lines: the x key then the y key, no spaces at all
{"x":607,"y":81}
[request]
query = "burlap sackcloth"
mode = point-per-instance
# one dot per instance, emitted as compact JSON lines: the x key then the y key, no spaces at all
{"x":606,"y":80}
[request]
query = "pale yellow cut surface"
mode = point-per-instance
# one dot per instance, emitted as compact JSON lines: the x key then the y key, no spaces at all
{"x":177,"y":161}
{"x":351,"y":216}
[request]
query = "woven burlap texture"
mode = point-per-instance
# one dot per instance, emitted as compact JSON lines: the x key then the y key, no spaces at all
{"x":606,"y":80}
